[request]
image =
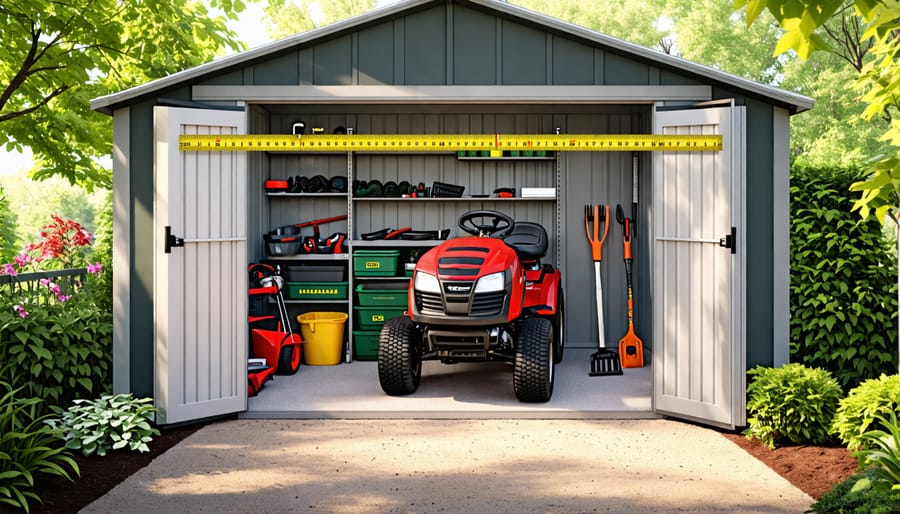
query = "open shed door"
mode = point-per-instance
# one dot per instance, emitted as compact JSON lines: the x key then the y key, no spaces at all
{"x":698,"y":280}
{"x":200,"y":279}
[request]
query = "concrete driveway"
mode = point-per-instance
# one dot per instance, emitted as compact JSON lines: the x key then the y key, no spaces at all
{"x":464,"y":466}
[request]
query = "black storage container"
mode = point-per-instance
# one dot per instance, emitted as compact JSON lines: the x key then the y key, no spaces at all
{"x":313,"y":273}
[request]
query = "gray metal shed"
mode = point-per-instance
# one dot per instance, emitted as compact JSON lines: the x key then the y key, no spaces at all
{"x":706,"y":314}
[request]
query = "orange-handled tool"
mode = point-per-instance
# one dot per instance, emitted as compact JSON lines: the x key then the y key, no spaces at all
{"x":594,"y":215}
{"x":631,"y":348}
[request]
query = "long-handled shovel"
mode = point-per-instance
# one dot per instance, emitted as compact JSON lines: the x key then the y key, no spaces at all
{"x":604,"y":361}
{"x":631,"y":348}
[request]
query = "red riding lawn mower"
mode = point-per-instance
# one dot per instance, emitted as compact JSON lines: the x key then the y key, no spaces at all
{"x":482,"y":298}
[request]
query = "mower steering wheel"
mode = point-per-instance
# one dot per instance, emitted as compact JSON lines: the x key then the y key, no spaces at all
{"x":492,"y":223}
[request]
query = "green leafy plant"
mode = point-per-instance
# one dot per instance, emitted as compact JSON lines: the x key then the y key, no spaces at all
{"x":111,"y":422}
{"x":792,"y":403}
{"x":57,"y":342}
{"x":28,"y":447}
{"x":858,"y":411}
{"x":882,"y":453}
{"x":843,"y":284}
{"x":857,"y":495}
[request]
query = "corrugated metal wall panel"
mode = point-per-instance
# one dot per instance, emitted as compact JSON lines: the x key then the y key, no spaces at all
{"x":474,"y":41}
{"x":586,"y":178}
{"x":425,"y":48}
{"x":376,"y":55}
{"x":524,"y":52}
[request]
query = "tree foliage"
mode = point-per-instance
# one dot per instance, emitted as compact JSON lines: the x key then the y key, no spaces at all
{"x":288,"y":17}
{"x":8,"y":248}
{"x":59,"y":54}
{"x":804,"y":22}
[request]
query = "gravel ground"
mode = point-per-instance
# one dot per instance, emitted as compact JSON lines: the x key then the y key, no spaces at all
{"x":454,"y":466}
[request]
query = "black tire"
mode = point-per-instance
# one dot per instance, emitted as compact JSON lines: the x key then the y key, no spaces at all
{"x":559,"y":328}
{"x":289,"y":359}
{"x":533,"y":370}
{"x":399,"y":357}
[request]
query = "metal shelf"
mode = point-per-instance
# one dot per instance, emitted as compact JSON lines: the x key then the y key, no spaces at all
{"x":308,"y":195}
{"x":395,"y":243}
{"x":311,"y":257}
{"x":345,"y":301}
{"x":446,"y":199}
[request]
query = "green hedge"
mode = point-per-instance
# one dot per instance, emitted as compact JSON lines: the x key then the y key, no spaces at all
{"x":843,"y":280}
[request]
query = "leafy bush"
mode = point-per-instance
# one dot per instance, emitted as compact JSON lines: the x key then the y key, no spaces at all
{"x":882,"y":453}
{"x":59,"y":351}
{"x":792,"y":403}
{"x":857,"y":495}
{"x":857,"y":412}
{"x":55,"y":342}
{"x":112,"y":422}
{"x":843,"y":280}
{"x":27,"y":447}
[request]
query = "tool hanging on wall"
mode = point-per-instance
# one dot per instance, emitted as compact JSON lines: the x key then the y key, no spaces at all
{"x":635,"y":171}
{"x":604,"y":361}
{"x":631,"y":348}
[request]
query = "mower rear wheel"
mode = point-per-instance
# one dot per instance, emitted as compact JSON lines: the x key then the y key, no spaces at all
{"x":289,"y":359}
{"x":533,"y":369}
{"x":399,"y":357}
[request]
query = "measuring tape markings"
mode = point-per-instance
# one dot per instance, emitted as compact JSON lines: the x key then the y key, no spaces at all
{"x":448,"y":142}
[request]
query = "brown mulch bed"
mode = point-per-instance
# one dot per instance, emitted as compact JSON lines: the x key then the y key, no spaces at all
{"x":812,"y":469}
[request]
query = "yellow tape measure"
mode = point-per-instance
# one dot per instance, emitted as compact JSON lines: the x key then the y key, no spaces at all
{"x":450,"y":142}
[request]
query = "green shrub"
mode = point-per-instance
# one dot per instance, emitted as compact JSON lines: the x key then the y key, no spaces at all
{"x":110,"y":423}
{"x":843,"y":280}
{"x":856,"y":413}
{"x":59,"y":351}
{"x":882,"y":453}
{"x":858,"y":495}
{"x":792,"y":403}
{"x":28,"y":447}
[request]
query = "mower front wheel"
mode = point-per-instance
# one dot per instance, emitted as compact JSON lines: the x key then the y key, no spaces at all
{"x":533,"y":369}
{"x":399,"y":357}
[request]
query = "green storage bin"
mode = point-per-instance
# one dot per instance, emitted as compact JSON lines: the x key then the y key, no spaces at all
{"x":373,"y":318}
{"x":375,"y":263}
{"x":315,"y":290}
{"x":382,"y":295}
{"x":365,"y":344}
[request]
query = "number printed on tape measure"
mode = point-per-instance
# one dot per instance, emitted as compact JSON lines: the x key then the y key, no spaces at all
{"x":450,"y":142}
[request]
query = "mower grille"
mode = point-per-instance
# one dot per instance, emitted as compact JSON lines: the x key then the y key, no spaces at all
{"x":488,"y":304}
{"x":429,"y":303}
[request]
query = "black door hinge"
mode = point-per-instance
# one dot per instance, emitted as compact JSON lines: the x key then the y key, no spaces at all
{"x":730,"y":240}
{"x":172,"y":241}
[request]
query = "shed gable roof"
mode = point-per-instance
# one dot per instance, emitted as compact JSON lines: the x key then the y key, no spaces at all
{"x":571,"y":49}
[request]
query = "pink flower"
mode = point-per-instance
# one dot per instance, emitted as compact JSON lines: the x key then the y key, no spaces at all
{"x":20,"y":311}
{"x":44,"y":282}
{"x":9,"y":269}
{"x":22,"y":259}
{"x":62,"y":297}
{"x":95,"y":268}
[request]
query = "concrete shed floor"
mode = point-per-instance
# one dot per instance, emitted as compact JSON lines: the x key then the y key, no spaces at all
{"x":463,"y":391}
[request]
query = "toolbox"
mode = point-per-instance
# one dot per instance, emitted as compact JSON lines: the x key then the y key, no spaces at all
{"x":316,"y":290}
{"x":391,"y":294}
{"x":373,"y":318}
{"x":365,"y":344}
{"x":375,"y":263}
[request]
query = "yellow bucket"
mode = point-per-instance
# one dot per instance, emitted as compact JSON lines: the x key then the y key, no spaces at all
{"x":323,"y":337}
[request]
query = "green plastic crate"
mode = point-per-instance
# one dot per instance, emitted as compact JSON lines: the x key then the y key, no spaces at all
{"x":384,"y":295}
{"x":315,"y":290}
{"x":375,"y":263}
{"x":373,"y":318}
{"x":365,"y":344}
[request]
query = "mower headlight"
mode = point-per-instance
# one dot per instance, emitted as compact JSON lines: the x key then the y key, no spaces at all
{"x":491,"y":283}
{"x":427,"y":283}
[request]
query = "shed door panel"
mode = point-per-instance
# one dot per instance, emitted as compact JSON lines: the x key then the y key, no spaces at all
{"x":200,"y":289}
{"x":698,"y":355}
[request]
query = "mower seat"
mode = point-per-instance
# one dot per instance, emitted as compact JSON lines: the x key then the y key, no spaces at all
{"x":529,"y":240}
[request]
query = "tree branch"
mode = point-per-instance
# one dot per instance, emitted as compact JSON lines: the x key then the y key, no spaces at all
{"x":56,"y":92}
